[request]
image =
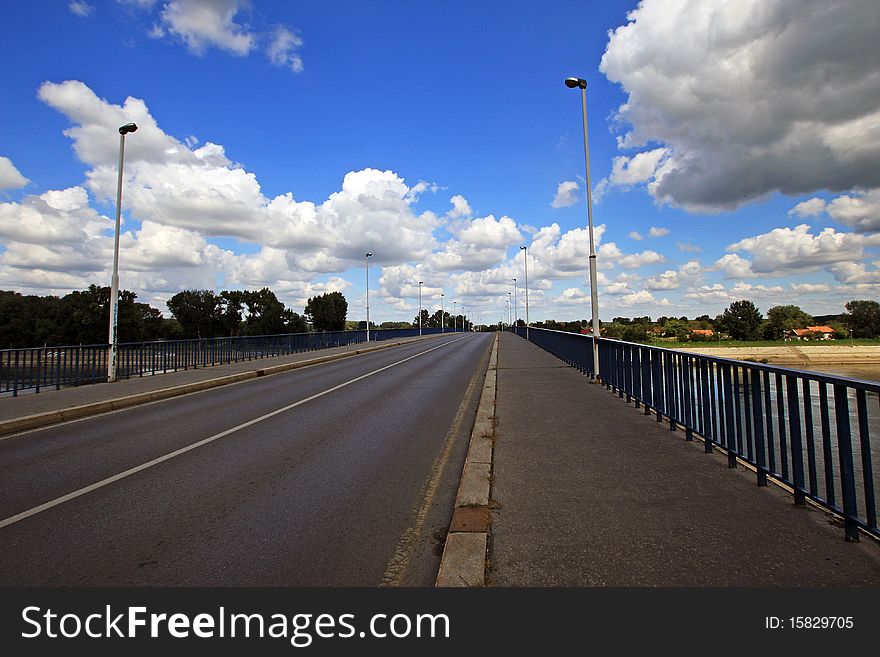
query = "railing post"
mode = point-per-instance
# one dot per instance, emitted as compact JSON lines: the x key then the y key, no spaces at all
{"x":847,"y":475}
{"x":867,"y":467}
{"x":797,"y":450}
{"x":760,"y":461}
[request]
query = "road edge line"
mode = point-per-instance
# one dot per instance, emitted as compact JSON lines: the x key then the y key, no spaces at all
{"x":463,"y":563}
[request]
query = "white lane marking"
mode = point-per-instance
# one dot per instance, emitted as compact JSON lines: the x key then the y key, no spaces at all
{"x":183,"y":450}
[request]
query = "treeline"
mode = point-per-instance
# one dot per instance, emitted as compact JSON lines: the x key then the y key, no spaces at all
{"x":83,"y":317}
{"x":439,"y":319}
{"x":741,"y":320}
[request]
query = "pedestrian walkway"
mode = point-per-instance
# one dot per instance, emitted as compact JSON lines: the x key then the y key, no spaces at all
{"x":588,"y":491}
{"x":50,"y":406}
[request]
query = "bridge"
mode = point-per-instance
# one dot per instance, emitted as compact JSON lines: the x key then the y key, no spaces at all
{"x":451,"y":459}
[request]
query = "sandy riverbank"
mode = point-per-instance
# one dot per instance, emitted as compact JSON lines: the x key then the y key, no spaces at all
{"x":795,"y":355}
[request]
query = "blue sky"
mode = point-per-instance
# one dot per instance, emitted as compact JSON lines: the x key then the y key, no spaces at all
{"x":734,"y":151}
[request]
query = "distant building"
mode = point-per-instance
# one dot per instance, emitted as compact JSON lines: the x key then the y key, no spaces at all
{"x":810,"y":333}
{"x":703,"y":332}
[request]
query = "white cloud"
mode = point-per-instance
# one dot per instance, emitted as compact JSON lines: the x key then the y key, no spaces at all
{"x":785,"y":250}
{"x":852,"y":272}
{"x":10,"y":178}
{"x":461,"y":209}
{"x":654,"y":231}
{"x":859,"y":211}
{"x":687,"y":247}
{"x":636,"y":260}
{"x":759,"y":95}
{"x":810,"y":208}
{"x":628,"y":171}
{"x":642,"y":298}
{"x":282,"y":50}
{"x":81,"y":8}
{"x":201,"y":24}
{"x":810,"y":288}
{"x":566,"y":194}
{"x":734,"y":266}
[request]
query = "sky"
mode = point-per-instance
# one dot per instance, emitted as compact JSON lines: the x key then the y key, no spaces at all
{"x":734,"y":152}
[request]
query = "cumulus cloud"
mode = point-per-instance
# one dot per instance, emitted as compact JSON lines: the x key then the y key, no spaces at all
{"x":658,"y":232}
{"x":636,"y":260}
{"x":566,"y":194}
{"x":461,"y":209}
{"x":859,"y":211}
{"x":810,"y":208}
{"x":761,"y":95}
{"x":480,"y":243}
{"x":178,"y":195}
{"x":786,"y":250}
{"x":10,"y":177}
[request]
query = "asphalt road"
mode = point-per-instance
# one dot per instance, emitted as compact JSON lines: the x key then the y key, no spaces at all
{"x":343,"y":473}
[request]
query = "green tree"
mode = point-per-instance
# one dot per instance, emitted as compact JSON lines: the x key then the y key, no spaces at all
{"x":741,"y":320}
{"x":863,"y":318}
{"x":327,"y":312}
{"x":198,"y":312}
{"x":294,"y":322}
{"x":265,"y":313}
{"x":784,"y":318}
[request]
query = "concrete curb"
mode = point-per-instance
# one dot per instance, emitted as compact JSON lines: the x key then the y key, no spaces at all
{"x":36,"y":421}
{"x":464,"y":555}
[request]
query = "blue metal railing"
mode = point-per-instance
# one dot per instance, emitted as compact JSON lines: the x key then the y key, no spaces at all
{"x":808,"y":430}
{"x":47,"y":368}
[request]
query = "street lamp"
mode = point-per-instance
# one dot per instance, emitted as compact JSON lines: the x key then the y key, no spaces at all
{"x":509,"y":309}
{"x":442,"y":315}
{"x":525,"y":251}
{"x":454,"y":318}
{"x":514,"y":303}
{"x":367,"y":263}
{"x":114,"y":279}
{"x":573,"y":83}
{"x":420,"y":307}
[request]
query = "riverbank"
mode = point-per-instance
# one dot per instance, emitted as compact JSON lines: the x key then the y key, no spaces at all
{"x":859,"y":361}
{"x":796,"y":354}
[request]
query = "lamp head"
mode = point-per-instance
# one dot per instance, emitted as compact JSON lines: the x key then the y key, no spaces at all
{"x":128,"y":127}
{"x":571,"y":83}
{"x":367,"y":255}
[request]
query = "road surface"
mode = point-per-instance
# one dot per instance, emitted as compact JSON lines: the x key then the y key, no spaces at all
{"x":337,"y":474}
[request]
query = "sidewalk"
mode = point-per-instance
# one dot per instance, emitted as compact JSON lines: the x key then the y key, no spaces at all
{"x":588,"y":491}
{"x":30,"y":410}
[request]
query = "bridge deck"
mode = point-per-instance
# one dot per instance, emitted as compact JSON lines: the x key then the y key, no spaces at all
{"x":591,"y":492}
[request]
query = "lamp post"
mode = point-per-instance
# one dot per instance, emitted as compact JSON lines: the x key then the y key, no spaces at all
{"x":420,"y":307}
{"x":114,"y":279}
{"x":581,"y":84}
{"x":514,"y":304}
{"x":525,"y":251}
{"x":454,"y":317}
{"x":367,"y":256}
{"x":509,"y":309}
{"x":442,"y":315}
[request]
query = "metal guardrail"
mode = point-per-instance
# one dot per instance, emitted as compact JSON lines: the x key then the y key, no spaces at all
{"x":808,"y":430}
{"x":51,"y":368}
